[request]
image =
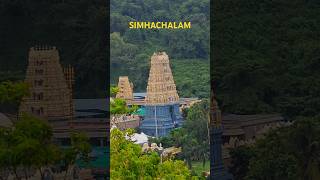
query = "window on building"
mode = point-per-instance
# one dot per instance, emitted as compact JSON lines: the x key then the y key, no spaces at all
{"x":39,"y":63}
{"x":37,"y":96}
{"x":38,"y":111}
{"x":39,"y":71}
{"x":38,"y":82}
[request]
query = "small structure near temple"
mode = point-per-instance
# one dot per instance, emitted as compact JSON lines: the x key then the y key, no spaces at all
{"x":242,"y":130}
{"x":249,"y":127}
{"x":126,"y":121}
{"x":162,"y":101}
{"x":230,"y":131}
{"x":165,"y":153}
{"x":125,"y":89}
{"x":50,"y":91}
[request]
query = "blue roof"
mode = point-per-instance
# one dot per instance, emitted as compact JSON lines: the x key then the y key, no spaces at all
{"x":141,"y":111}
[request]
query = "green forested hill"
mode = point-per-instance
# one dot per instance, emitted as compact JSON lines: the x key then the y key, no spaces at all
{"x":131,"y":49}
{"x":267,"y":56}
{"x":266,"y":53}
{"x":76,"y":27}
{"x":192,"y":77}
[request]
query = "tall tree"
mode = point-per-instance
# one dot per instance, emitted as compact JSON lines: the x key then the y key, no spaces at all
{"x":11,"y":94}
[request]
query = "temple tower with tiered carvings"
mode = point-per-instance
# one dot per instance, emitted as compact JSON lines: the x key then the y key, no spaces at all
{"x":50,"y":86}
{"x":161,"y":88}
{"x":125,"y":89}
{"x":217,"y":169}
{"x":162,"y":100}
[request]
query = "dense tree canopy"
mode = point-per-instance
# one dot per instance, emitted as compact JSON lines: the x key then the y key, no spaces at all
{"x":129,"y":162}
{"x":286,"y":153}
{"x":76,"y":28}
{"x":266,"y":59}
{"x":266,"y":56}
{"x":28,"y":145}
{"x":11,"y":93}
{"x":188,"y":50}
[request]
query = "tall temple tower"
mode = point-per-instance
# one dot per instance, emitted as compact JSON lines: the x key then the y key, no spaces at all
{"x":217,"y":170}
{"x":50,"y":86}
{"x":125,"y":89}
{"x":162,"y":101}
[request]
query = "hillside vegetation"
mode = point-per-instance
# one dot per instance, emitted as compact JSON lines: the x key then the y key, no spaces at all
{"x":266,"y":56}
{"x":76,"y":28}
{"x":131,"y":49}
